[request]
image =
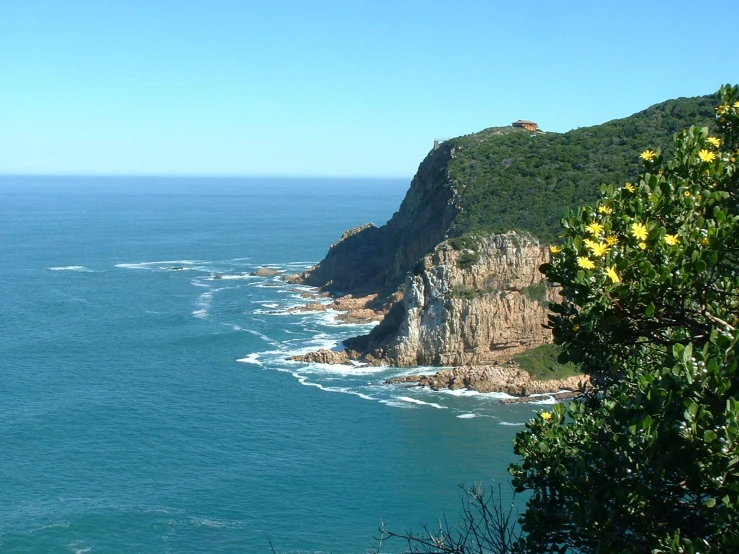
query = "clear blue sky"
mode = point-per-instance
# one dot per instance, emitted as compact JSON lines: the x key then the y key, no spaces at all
{"x":329,"y":88}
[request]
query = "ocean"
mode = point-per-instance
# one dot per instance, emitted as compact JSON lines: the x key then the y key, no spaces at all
{"x":146,"y":400}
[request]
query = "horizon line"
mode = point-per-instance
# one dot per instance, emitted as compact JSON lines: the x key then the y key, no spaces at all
{"x":201,"y":176}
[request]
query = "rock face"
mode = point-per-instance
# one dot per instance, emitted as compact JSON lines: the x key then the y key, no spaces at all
{"x":370,"y":259}
{"x":510,"y":380}
{"x":477,"y":305}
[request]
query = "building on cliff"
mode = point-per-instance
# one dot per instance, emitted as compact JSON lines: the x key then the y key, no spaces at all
{"x":528,"y":125}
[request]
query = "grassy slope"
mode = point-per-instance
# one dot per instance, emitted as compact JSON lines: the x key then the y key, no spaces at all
{"x":541,"y":363}
{"x":508,"y":179}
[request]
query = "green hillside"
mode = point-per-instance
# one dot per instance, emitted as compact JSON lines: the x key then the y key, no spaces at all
{"x":510,"y":178}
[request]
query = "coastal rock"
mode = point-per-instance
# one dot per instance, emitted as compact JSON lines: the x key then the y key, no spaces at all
{"x":362,"y":309}
{"x":323,"y":357}
{"x":265,"y":272}
{"x":370,"y":259}
{"x":506,"y":379}
{"x":310,"y":307}
{"x":466,"y":306}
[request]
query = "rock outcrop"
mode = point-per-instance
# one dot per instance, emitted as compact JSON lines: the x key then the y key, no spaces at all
{"x":509,"y":380}
{"x":478,"y":303}
{"x":370,"y":259}
{"x":362,"y":309}
{"x":323,"y":357}
{"x":265,"y":272}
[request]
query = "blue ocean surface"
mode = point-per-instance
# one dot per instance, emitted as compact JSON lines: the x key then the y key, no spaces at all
{"x":147,"y":403}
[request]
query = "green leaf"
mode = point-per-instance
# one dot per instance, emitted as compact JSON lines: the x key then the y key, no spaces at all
{"x":649,"y":311}
{"x":709,"y":436}
{"x":710,"y":503}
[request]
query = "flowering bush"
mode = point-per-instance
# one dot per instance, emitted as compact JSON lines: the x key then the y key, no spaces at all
{"x":648,"y":461}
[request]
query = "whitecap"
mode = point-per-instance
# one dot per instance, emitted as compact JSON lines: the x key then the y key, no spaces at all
{"x":149,"y":265}
{"x":203,"y":303}
{"x":68,"y":268}
{"x":233,"y":277}
{"x":511,"y":424}
{"x":396,"y":404}
{"x":252,"y":358}
{"x":421,"y":402}
{"x":347,"y":369}
{"x":467,"y":392}
{"x":466,"y":416}
{"x":214,"y":523}
{"x":546,"y":400}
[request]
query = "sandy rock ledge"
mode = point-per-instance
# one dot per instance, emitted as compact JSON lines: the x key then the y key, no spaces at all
{"x":507,"y":379}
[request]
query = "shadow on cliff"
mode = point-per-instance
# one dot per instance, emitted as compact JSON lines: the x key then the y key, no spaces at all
{"x":375,"y":260}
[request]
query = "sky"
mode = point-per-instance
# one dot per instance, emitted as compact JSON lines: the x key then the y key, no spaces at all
{"x":329,"y":88}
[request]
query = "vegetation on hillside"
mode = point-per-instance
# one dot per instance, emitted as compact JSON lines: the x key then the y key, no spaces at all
{"x":512,"y":179}
{"x":649,"y":460}
{"x":650,"y":279}
{"x":542,"y":363}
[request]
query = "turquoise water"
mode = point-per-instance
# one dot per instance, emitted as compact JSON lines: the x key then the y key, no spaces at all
{"x":151,"y":409}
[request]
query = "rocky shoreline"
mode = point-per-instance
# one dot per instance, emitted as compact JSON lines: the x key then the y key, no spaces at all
{"x":360,"y":309}
{"x":507,"y":379}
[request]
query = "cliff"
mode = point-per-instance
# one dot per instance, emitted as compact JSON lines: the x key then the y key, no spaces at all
{"x":369,"y":259}
{"x":494,"y":181}
{"x":478,"y":301}
{"x":464,"y":246}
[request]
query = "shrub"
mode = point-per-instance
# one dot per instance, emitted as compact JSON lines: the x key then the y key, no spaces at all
{"x":648,"y":461}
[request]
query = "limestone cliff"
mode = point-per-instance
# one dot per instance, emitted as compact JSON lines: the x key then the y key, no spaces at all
{"x":479,"y":304}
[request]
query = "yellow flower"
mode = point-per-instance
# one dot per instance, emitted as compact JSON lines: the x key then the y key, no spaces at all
{"x":715,"y":141}
{"x":704,"y":241}
{"x":639,"y":231}
{"x":585,"y":263}
{"x":612,"y":275}
{"x":722,"y":109}
{"x":599,"y":249}
{"x":672,"y":240}
{"x":687,"y":194}
{"x":575,"y":327}
{"x":604,"y":209}
{"x":736,"y":105}
{"x":648,"y":155}
{"x":706,"y":156}
{"x":611,"y":240}
{"x":554,"y":249}
{"x":643,"y":245}
{"x":546,"y":416}
{"x":594,"y":228}
{"x":630,"y":187}
{"x":589,"y":243}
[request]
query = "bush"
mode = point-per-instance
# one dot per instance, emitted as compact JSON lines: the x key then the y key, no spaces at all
{"x":648,"y":461}
{"x":542,"y":363}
